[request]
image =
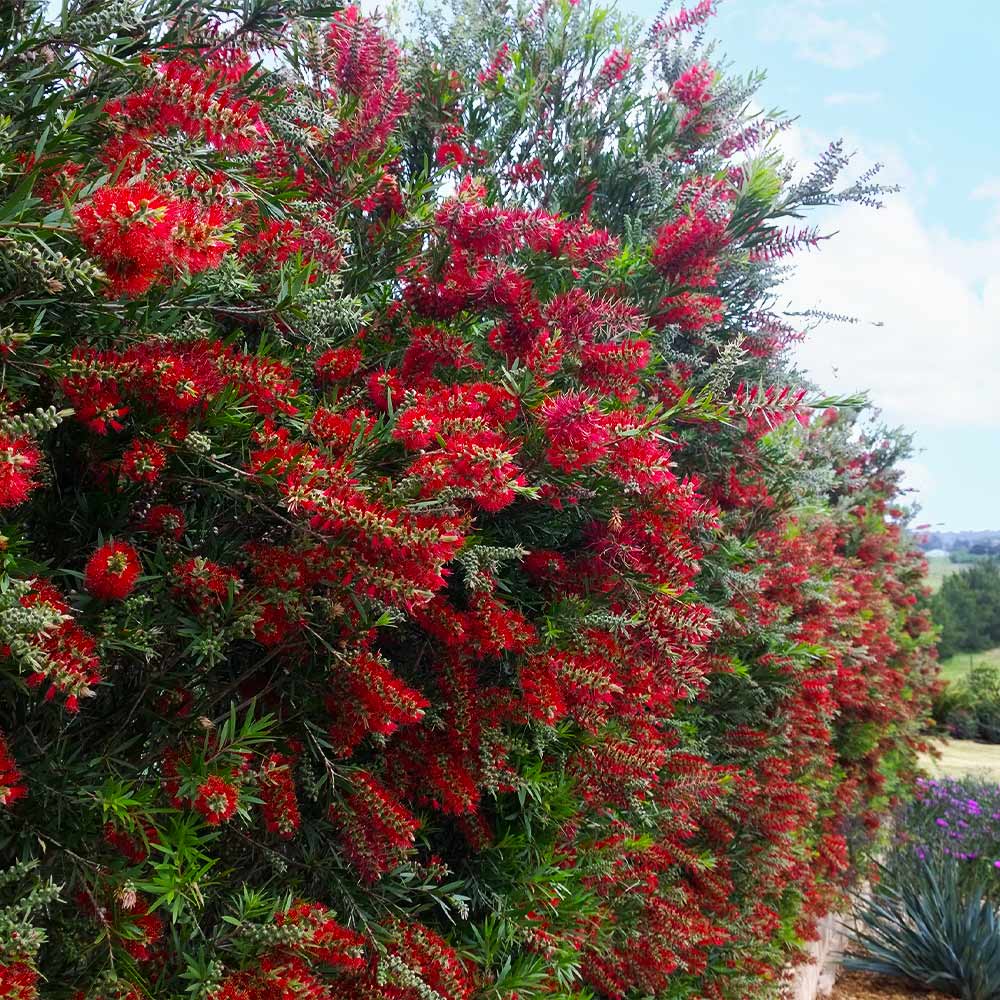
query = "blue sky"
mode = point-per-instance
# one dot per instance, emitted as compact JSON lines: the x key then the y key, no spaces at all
{"x":910,"y":83}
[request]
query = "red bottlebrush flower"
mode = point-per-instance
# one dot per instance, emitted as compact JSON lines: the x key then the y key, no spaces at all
{"x":691,"y":311}
{"x":498,"y":64}
{"x":545,"y":565}
{"x":66,"y":654}
{"x":145,"y":938}
{"x":576,"y":429}
{"x":449,"y":154}
{"x":143,"y":461}
{"x":98,"y":403}
{"x":684,"y":20}
{"x":384,"y":385}
{"x":129,"y":228}
{"x":693,"y":90}
{"x":456,"y":410}
{"x":613,"y":369}
{"x":438,"y":965}
{"x":275,"y":624}
{"x":614,"y":69}
{"x":277,"y":976}
{"x":19,"y":460}
{"x":216,"y":800}
{"x":187,"y":99}
{"x":370,"y":699}
{"x":130,"y":846}
{"x":18,"y":981}
{"x":337,"y":431}
{"x":277,"y":789}
{"x":338,"y":364}
{"x":480,"y":466}
{"x":432,"y":348}
{"x":363,"y":69}
{"x":11,"y":785}
{"x":527,"y":173}
{"x":687,"y":248}
{"x":112,"y":571}
{"x":199,"y":242}
{"x":164,"y":519}
{"x":320,"y":938}
{"x":377,"y":831}
{"x":203,"y":583}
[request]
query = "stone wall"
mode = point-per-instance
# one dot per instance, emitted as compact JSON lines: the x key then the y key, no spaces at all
{"x":815,"y":980}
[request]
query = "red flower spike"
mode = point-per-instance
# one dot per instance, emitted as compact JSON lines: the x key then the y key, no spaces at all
{"x":11,"y":786}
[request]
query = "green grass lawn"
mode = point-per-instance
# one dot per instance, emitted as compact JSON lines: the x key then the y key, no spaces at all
{"x":957,"y":667}
{"x":938,"y":567}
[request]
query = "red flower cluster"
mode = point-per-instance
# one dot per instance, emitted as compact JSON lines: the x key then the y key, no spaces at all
{"x":377,"y":831}
{"x":693,"y":90}
{"x":63,"y":657}
{"x":687,"y":249}
{"x":614,"y":69}
{"x":686,"y":19}
{"x":277,"y":789}
{"x":143,"y":235}
{"x":143,"y":461}
{"x":18,"y":981}
{"x":192,"y":100}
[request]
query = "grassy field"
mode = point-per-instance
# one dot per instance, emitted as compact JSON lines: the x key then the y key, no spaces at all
{"x":957,"y":667}
{"x":938,"y":567}
{"x":963,"y":757}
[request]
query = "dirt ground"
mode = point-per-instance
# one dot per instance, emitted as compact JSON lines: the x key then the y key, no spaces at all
{"x":860,"y":986}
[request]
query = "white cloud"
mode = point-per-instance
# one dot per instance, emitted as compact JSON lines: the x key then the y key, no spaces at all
{"x":836,"y":42}
{"x":852,"y":98}
{"x":935,"y":360}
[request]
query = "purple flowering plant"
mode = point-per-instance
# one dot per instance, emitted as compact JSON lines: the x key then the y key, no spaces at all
{"x":957,"y":818}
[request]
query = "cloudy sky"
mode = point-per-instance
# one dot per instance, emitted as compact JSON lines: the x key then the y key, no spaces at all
{"x":908,"y":83}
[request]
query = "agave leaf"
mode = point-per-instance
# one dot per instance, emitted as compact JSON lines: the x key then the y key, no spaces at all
{"x":925,"y":924}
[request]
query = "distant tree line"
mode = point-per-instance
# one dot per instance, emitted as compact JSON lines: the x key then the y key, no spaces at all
{"x":962,"y":542}
{"x":967,"y":608}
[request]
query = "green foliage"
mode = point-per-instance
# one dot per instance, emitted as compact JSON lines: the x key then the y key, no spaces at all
{"x":967,"y":607}
{"x":970,"y":707}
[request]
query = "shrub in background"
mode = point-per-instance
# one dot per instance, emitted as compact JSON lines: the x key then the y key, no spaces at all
{"x":423,"y":573}
{"x":970,"y":708}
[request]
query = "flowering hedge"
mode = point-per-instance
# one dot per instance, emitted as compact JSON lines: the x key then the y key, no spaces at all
{"x":424,"y":575}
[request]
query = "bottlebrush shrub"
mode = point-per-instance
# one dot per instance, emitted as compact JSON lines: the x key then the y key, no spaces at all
{"x":423,"y":574}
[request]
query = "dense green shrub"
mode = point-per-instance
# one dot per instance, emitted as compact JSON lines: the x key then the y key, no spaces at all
{"x":423,"y":574}
{"x":969,"y":708}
